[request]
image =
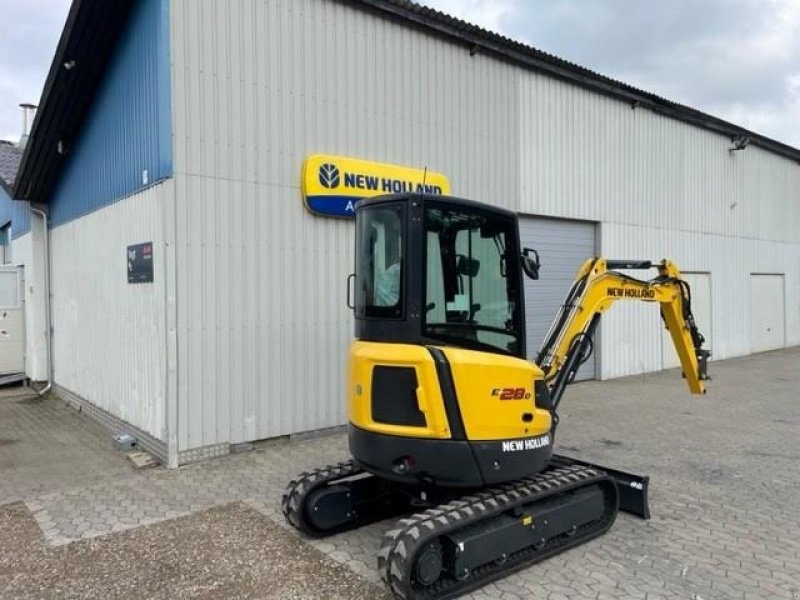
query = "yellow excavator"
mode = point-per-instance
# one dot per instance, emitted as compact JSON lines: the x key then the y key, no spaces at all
{"x":450,"y":425}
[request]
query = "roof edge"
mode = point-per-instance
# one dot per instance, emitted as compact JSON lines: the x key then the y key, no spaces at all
{"x":58,"y":58}
{"x":89,"y":38}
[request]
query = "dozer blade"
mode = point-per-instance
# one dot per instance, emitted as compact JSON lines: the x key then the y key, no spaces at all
{"x":632,"y":487}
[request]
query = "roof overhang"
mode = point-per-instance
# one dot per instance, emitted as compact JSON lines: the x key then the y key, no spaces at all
{"x":86,"y":45}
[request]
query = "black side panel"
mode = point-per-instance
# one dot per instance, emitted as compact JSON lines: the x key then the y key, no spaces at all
{"x":448,"y":394}
{"x":394,"y":396}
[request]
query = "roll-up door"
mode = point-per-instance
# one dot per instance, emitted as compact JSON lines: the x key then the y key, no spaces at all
{"x":563,"y":246}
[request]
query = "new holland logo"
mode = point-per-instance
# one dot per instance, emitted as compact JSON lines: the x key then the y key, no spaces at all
{"x":332,"y":185}
{"x":329,"y":175}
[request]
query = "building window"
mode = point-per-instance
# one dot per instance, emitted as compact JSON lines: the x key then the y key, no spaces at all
{"x":5,"y":243}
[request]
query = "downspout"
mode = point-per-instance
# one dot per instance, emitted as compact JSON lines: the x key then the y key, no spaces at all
{"x":47,"y":307}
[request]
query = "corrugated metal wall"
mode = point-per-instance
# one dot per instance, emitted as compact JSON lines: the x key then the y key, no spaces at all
{"x":630,"y":335}
{"x":263,"y":327}
{"x":109,"y":335}
{"x":661,"y":188}
{"x":128,"y":129}
{"x":590,"y":157}
{"x":20,"y":218}
{"x":258,"y":85}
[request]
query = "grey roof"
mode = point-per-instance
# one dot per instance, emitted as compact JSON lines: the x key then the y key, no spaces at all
{"x":10,"y":157}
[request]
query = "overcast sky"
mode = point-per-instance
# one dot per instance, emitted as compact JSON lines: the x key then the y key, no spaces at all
{"x":736,"y":59}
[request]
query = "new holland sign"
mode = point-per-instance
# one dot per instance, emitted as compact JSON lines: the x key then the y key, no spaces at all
{"x":332,"y":185}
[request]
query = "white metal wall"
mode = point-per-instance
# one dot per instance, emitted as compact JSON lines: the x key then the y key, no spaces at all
{"x":258,"y":85}
{"x":591,"y":157}
{"x":109,"y":335}
{"x":630,"y":341}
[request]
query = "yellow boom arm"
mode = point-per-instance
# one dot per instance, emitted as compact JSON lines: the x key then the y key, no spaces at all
{"x":596,"y":288}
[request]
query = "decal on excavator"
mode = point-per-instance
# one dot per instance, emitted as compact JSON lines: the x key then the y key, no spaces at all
{"x":527,"y":444}
{"x":511,"y":393}
{"x":630,"y":293}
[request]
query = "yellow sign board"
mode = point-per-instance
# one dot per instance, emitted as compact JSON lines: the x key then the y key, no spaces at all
{"x":332,"y":185}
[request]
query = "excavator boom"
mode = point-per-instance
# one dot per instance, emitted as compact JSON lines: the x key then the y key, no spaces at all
{"x":597,"y":287}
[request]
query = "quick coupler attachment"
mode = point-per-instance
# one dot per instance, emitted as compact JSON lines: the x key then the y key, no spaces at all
{"x":632,"y":487}
{"x":702,"y":364}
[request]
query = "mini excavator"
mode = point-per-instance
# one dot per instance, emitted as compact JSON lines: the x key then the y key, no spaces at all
{"x":450,"y":426}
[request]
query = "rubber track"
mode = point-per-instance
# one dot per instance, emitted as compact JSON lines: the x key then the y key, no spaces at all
{"x":297,"y":490}
{"x":401,"y":545}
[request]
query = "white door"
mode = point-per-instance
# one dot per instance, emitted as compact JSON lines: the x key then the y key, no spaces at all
{"x":12,"y":321}
{"x":700,"y":287}
{"x":563,"y":246}
{"x":767,"y":314}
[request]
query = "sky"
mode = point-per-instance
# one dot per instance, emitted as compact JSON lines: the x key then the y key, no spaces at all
{"x":735,"y":59}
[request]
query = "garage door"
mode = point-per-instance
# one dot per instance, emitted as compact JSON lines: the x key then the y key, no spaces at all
{"x":700,"y":286}
{"x":767,"y":326}
{"x":562,"y":246}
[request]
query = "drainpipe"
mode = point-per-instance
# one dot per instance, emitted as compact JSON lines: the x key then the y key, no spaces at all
{"x":47,"y":308}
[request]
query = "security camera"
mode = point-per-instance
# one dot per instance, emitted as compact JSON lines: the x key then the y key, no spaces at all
{"x":740,"y":142}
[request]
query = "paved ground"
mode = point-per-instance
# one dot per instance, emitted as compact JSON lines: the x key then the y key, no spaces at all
{"x":724,"y":496}
{"x":46,"y":446}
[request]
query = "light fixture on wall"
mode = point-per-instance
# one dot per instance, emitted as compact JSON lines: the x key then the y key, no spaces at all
{"x":740,"y":142}
{"x":69,"y":65}
{"x":61,"y":147}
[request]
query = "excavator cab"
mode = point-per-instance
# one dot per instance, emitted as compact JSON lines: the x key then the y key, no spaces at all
{"x":433,"y":271}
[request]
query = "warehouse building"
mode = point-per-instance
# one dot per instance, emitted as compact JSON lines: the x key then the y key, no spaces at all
{"x":198,"y":298}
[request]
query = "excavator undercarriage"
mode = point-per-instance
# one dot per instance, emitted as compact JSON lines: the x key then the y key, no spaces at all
{"x":450,"y":542}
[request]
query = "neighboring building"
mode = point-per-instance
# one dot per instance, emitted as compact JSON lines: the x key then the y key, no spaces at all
{"x":14,"y":216}
{"x":15,"y":363}
{"x":182,"y":127}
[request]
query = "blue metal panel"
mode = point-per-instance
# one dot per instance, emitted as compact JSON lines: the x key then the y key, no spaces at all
{"x":6,"y":206}
{"x":15,"y":211}
{"x":128,"y":130}
{"x":20,"y":218}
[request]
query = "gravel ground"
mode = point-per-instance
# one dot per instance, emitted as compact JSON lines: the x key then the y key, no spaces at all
{"x":225,"y":552}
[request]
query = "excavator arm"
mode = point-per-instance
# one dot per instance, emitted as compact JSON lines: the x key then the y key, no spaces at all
{"x":597,"y":286}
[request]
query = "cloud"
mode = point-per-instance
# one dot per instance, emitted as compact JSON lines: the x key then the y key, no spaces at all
{"x":30,"y":35}
{"x":736,"y":59}
{"x":489,"y":15}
